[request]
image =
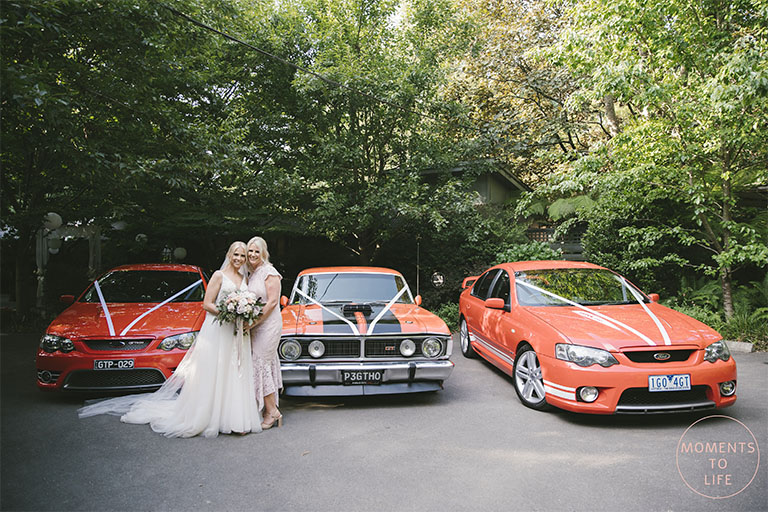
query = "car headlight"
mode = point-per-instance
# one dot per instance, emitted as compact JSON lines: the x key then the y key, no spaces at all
{"x":432,"y":347}
{"x":182,"y":341}
{"x":584,"y":356}
{"x":717,"y":350}
{"x":316,"y":348}
{"x":290,"y":349}
{"x":51,"y":343}
{"x":407,"y":348}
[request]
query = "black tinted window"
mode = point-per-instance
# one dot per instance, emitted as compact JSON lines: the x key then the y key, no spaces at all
{"x":481,"y":287}
{"x":501,"y":288}
{"x":147,"y":286}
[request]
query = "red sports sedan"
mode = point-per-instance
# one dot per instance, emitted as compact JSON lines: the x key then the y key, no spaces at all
{"x":581,"y":337}
{"x":128,"y":331}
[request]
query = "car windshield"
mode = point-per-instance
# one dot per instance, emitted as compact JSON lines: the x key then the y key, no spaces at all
{"x":350,"y":288}
{"x":588,"y":287}
{"x":147,"y":286}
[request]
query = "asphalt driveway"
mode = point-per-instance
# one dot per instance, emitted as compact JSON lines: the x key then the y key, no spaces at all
{"x":472,"y":446}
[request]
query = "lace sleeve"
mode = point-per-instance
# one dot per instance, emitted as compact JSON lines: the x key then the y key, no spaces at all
{"x":269,"y":270}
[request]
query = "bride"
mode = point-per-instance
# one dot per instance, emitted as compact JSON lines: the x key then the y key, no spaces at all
{"x":212,"y":390}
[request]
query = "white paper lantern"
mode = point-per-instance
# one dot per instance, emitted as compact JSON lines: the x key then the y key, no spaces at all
{"x":52,"y":221}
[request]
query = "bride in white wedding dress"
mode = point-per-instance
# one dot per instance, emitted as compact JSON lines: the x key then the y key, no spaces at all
{"x":212,"y":390}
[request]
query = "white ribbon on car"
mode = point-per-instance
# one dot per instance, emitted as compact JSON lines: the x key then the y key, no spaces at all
{"x":166,"y":301}
{"x":639,"y":299}
{"x":105,"y":308}
{"x":591,"y":312}
{"x":313,"y":301}
{"x":124,"y":331}
{"x":386,"y":308}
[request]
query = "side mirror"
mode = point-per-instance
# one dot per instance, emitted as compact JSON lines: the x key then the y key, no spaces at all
{"x":67,"y":299}
{"x":468,"y":281}
{"x":494,"y":303}
{"x":654,"y":297}
{"x":417,"y":300}
{"x":283,"y":300}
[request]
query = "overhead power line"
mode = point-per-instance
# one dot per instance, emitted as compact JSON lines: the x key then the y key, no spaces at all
{"x":298,"y":67}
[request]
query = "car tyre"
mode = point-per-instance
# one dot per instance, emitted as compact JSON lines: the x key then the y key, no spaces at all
{"x":527,"y":378}
{"x":466,"y":347}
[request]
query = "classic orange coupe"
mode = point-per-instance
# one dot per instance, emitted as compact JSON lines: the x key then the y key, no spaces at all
{"x":360,"y":331}
{"x":582,"y":338}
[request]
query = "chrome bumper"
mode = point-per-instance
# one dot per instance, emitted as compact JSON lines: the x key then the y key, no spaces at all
{"x":324,"y":379}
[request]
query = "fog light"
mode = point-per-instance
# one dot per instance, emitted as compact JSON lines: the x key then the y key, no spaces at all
{"x":45,"y":376}
{"x":407,"y":348}
{"x":727,"y":388}
{"x":290,"y":350}
{"x":588,"y":394}
{"x":316,"y":349}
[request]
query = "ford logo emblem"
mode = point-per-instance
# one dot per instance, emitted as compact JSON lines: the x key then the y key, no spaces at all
{"x":117,"y":344}
{"x":661,"y":356}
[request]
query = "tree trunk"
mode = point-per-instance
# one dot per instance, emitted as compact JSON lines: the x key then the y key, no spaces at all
{"x":610,"y":114}
{"x":726,"y":284}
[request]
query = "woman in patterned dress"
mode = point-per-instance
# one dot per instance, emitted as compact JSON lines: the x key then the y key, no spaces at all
{"x":264,"y":281}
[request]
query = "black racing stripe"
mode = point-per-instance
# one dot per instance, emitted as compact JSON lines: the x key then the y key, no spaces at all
{"x":334,"y":325}
{"x":387,"y":324}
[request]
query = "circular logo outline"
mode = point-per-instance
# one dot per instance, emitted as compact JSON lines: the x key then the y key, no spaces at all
{"x":677,"y":456}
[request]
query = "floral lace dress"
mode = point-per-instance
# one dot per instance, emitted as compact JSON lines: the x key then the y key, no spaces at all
{"x":265,"y":338}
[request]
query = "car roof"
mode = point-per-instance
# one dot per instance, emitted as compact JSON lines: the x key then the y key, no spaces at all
{"x":349,"y":270}
{"x":179,"y":267}
{"x":518,"y":266}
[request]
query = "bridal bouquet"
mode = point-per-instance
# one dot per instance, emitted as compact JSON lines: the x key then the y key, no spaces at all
{"x":239,"y":305}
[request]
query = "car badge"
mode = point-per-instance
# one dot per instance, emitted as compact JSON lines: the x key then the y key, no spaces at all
{"x":117,"y":344}
{"x":661,"y":356}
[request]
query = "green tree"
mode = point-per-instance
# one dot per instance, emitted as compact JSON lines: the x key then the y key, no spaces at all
{"x":690,"y":85}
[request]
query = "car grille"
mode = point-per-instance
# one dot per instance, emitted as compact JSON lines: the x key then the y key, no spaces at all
{"x":388,"y":347}
{"x":114,"y":379}
{"x":647,"y":356}
{"x":334,"y":348}
{"x":640,"y":400}
{"x":117,"y":344}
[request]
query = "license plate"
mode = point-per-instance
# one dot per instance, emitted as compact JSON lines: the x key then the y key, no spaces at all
{"x":113,"y":364}
{"x":355,"y":377}
{"x":669,"y":382}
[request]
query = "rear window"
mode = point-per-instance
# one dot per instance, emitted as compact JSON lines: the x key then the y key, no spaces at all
{"x":147,"y":286}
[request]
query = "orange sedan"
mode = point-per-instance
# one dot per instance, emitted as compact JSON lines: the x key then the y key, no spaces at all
{"x":582,"y":338}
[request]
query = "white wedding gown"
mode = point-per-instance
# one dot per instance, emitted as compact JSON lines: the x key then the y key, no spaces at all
{"x":211,"y":391}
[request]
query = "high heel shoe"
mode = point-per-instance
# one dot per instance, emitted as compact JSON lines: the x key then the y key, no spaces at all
{"x":277,"y":421}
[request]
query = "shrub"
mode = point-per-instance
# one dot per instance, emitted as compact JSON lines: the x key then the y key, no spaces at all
{"x":449,"y":312}
{"x":528,"y":252}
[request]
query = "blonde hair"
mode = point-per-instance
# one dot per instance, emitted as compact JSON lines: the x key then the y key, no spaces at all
{"x":262,"y":245}
{"x":231,"y":251}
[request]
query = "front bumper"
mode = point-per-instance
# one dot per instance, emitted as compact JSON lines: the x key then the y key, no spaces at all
{"x":623,"y":388}
{"x":324,"y":379}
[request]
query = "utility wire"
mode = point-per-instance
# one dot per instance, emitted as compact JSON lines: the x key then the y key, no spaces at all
{"x":300,"y":68}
